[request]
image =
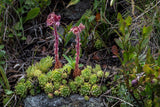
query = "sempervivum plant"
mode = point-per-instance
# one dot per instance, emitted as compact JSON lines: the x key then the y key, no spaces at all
{"x":30,"y":71}
{"x":85,"y":89}
{"x":79,"y":80}
{"x":42,"y":80}
{"x":64,"y":90}
{"x":93,"y":79}
{"x":56,"y":85}
{"x":56,"y":75}
{"x":97,"y":68}
{"x":21,"y":89}
{"x":77,"y":30}
{"x":100,"y":73}
{"x":45,"y":64}
{"x":96,"y":90}
{"x":73,"y":86}
{"x":54,"y":20}
{"x":86,"y":73}
{"x":48,"y":88}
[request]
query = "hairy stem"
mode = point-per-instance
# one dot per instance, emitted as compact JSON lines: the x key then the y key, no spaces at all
{"x":77,"y":50}
{"x":56,"y":44}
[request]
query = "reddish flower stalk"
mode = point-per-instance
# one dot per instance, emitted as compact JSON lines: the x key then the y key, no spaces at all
{"x":77,"y":30}
{"x":54,"y":20}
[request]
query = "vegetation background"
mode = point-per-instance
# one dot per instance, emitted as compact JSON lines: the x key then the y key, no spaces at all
{"x":123,"y":37}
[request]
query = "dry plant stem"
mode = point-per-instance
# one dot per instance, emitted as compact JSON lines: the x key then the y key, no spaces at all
{"x":119,"y":100}
{"x":57,"y":63}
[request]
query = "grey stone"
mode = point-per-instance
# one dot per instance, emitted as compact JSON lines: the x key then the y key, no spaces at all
{"x":74,"y":100}
{"x":76,"y":11}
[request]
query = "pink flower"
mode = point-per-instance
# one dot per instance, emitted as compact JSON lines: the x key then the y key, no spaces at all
{"x":77,"y":29}
{"x":53,"y":19}
{"x":81,"y":26}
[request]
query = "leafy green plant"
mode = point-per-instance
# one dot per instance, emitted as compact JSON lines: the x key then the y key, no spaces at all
{"x":139,"y":69}
{"x":3,"y":77}
{"x":59,"y":82}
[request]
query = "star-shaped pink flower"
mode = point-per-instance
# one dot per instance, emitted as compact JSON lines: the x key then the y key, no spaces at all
{"x":53,"y":19}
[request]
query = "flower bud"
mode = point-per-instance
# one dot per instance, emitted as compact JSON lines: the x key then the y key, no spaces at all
{"x":134,"y":82}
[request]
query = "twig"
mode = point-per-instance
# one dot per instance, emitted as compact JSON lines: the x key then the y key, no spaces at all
{"x":118,"y":99}
{"x":146,"y":11}
{"x":115,"y":103}
{"x":9,"y":100}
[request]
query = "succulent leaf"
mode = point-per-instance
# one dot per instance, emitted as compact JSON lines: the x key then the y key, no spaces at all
{"x":48,"y":88}
{"x":64,"y":90}
{"x":45,"y":64}
{"x":85,"y":89}
{"x":93,"y":79}
{"x":96,"y":90}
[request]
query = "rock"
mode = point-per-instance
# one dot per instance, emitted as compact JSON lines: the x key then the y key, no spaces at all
{"x":74,"y":100}
{"x":76,"y":11}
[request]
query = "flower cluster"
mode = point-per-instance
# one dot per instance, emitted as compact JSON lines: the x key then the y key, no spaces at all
{"x":53,"y":19}
{"x":77,"y":30}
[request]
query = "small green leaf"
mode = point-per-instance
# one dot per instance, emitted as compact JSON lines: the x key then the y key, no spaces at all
{"x":95,"y":4}
{"x":119,"y":17}
{"x":23,"y":38}
{"x":91,"y":18}
{"x":18,"y":26}
{"x":146,"y":31}
{"x":128,"y":20}
{"x":147,"y":69}
{"x":1,"y":46}
{"x":2,"y":53}
{"x":119,"y":43}
{"x":8,"y":92}
{"x":158,"y":60}
{"x":112,"y":2}
{"x":72,"y":2}
{"x":32,"y":13}
{"x":10,"y":35}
